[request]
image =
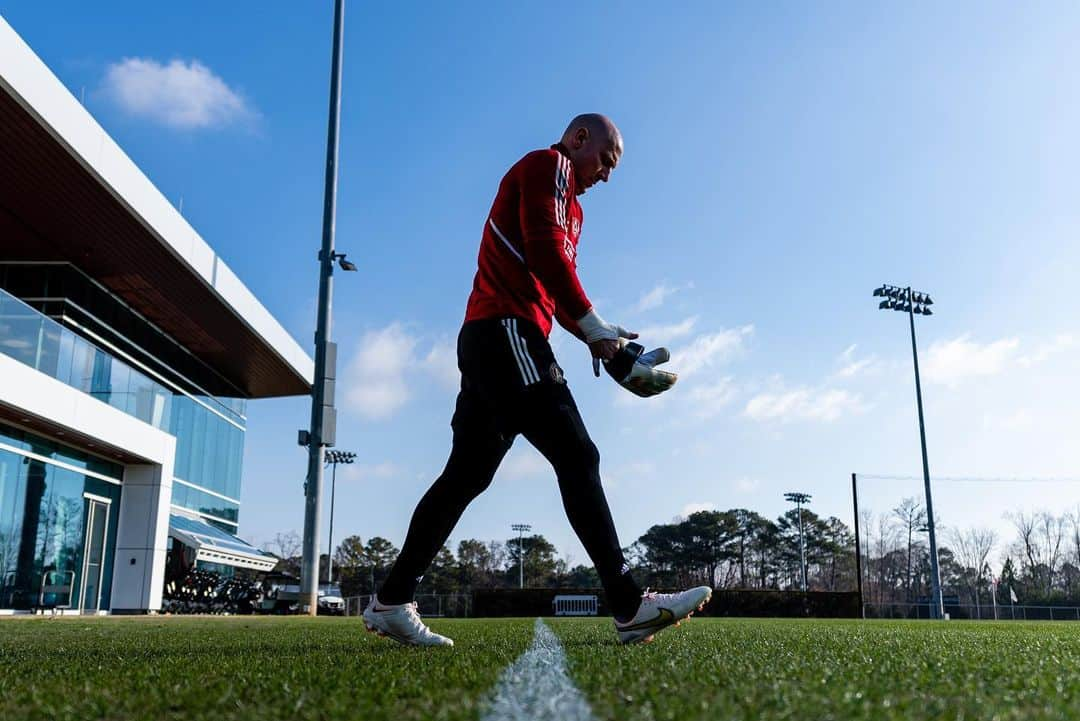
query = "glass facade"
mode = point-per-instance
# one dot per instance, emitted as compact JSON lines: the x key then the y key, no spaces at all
{"x":209,"y":449}
{"x":211,"y":505}
{"x":209,"y":430}
{"x":41,"y":343}
{"x":57,"y":525}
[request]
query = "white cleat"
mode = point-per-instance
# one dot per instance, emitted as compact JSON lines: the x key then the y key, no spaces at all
{"x":660,"y":610}
{"x":401,"y":623}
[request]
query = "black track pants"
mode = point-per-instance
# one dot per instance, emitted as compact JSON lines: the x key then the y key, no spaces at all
{"x":511,"y":384}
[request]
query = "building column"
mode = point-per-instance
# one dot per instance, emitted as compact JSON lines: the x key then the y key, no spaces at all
{"x":141,"y":538}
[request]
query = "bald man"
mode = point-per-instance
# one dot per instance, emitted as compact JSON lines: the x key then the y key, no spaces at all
{"x":511,"y":384}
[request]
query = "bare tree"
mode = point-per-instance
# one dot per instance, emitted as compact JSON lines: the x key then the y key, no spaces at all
{"x":1051,"y":530}
{"x":1025,"y":529}
{"x":285,"y":545}
{"x":972,"y":548}
{"x":885,"y":544}
{"x":912,"y":516}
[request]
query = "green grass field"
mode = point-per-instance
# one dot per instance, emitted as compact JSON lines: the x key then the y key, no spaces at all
{"x":300,"y":668}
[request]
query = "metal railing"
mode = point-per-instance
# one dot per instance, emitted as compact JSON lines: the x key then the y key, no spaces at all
{"x":973,"y":612}
{"x":43,"y":344}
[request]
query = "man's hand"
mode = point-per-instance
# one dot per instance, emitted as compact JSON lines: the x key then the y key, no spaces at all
{"x":602,"y":337}
{"x":636,"y":371}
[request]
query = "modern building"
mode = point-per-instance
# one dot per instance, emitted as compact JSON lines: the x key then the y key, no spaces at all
{"x":128,"y":353}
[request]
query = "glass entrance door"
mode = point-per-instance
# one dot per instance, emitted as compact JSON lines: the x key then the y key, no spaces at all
{"x":97,"y":521}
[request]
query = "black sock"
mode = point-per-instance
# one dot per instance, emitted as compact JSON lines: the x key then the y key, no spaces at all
{"x":623,"y":596}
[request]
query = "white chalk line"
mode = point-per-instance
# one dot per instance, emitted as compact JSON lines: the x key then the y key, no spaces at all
{"x":537,"y":687}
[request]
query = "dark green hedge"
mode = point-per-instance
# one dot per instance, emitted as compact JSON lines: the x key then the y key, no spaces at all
{"x":785,"y":604}
{"x":795,"y":604}
{"x":495,"y":602}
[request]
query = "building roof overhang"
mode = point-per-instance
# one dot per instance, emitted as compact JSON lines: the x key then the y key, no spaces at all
{"x":68,"y":193}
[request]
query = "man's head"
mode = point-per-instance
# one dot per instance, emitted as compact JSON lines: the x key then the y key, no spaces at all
{"x":595,"y":146}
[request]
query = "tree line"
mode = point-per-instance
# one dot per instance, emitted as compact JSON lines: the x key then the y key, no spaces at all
{"x":1037,"y":564}
{"x":742,"y":549}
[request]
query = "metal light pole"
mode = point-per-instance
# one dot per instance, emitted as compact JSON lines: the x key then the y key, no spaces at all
{"x":799,"y":499}
{"x":918,"y":303}
{"x":323,"y":427}
{"x":858,"y":544}
{"x":333,"y":458}
{"x":521,"y":528}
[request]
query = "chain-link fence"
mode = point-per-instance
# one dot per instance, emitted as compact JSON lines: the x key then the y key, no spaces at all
{"x":450,"y":605}
{"x":982,"y":612}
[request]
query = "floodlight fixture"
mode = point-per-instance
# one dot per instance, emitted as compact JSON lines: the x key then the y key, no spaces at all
{"x":878,"y":292}
{"x":799,"y":498}
{"x":333,"y":458}
{"x":344,"y":264}
{"x":917,"y":303}
{"x":521,"y":528}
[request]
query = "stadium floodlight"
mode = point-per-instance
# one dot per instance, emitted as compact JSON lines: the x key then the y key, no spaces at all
{"x":799,"y":499}
{"x":906,"y":297}
{"x":333,"y":458}
{"x":323,"y":426}
{"x":521,"y":528}
{"x":344,"y":264}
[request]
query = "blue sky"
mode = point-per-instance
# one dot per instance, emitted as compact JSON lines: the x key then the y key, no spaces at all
{"x":780,"y":163}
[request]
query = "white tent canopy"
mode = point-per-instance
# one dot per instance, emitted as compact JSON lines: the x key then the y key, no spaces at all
{"x":213,"y":545}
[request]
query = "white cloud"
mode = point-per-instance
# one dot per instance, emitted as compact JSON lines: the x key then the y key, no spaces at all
{"x":660,"y":334}
{"x":747,"y":485}
{"x":1062,"y":342}
{"x":441,"y":363}
{"x":368,"y":471}
{"x":850,"y":366}
{"x":524,"y":462}
{"x":382,"y":376}
{"x":691,"y":508}
{"x":1015,"y":421}
{"x":708,"y":400}
{"x":656,"y":297}
{"x":621,"y":474}
{"x":952,"y":362}
{"x":183,"y":95}
{"x":707,"y":350}
{"x":376,"y":375}
{"x":804,"y":404}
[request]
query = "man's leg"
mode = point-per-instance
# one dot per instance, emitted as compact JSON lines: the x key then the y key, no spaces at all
{"x":555,"y":428}
{"x":477,"y":451}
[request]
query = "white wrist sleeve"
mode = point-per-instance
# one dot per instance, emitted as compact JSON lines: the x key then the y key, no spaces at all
{"x":595,"y":328}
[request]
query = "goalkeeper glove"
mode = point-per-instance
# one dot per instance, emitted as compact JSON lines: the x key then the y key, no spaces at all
{"x":636,"y":371}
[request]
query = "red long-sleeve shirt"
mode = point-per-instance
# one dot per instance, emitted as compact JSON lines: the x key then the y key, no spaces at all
{"x":527,"y":265}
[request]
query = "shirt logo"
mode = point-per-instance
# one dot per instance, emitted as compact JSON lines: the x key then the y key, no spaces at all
{"x":575,"y":226}
{"x":557,"y":373}
{"x":570,"y":250}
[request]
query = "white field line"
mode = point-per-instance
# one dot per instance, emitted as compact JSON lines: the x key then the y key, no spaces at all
{"x":537,"y":687}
